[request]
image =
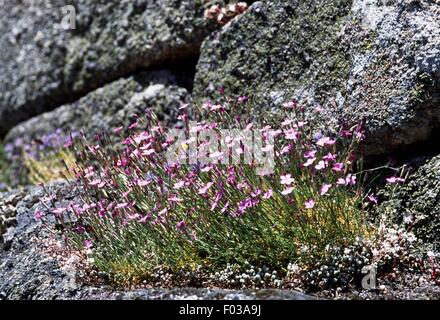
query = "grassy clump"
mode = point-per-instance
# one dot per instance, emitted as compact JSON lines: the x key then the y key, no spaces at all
{"x":38,"y":160}
{"x":140,"y":211}
{"x":47,"y":168}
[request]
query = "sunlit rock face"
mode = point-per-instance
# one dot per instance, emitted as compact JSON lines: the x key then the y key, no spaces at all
{"x":362,"y":60}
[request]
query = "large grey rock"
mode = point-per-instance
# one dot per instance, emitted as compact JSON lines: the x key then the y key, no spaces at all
{"x":371,"y":60}
{"x":108,"y":107}
{"x":43,"y":66}
{"x":27,"y":269}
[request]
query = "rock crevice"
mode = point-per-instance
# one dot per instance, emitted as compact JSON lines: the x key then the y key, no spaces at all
{"x":43,"y":66}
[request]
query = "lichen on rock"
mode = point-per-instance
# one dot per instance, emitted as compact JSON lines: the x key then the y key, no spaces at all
{"x":43,"y":66}
{"x":361,"y":60}
{"x":416,"y":204}
{"x":108,"y":107}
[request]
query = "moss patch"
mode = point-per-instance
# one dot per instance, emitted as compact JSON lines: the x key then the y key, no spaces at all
{"x":417,"y":203}
{"x":279,"y":47}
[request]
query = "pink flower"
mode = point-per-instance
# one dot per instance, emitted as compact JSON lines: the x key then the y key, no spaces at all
{"x":309,"y":162}
{"x":205,"y":189}
{"x":267,"y":148}
{"x":324,"y":189}
{"x":338,"y":167}
{"x":38,"y":214}
{"x":93,"y":149}
{"x":394,"y":180}
{"x":126,"y":193}
{"x":287,"y":191}
{"x":321,"y":165}
{"x":77,"y":210}
{"x":181,"y":225}
{"x":88,"y":244}
{"x":329,"y":157}
{"x":89,"y":172}
{"x":214,"y":205}
{"x":223,"y":210}
{"x":145,"y":218}
{"x":292,"y":134}
{"x":95,"y":182}
{"x":135,"y":154}
{"x":87,"y":207}
{"x":244,"y":205}
{"x":143,"y":183}
{"x":58,"y":211}
{"x":118,"y":130}
{"x":345,"y":133}
{"x":122,"y":162}
{"x":122,"y":205}
{"x":290,"y":104}
{"x":142,"y":137}
{"x":373,"y":199}
{"x":216,"y":107}
{"x":242,"y":99}
{"x":349,"y":180}
{"x":133,"y":125}
{"x":268,"y":194}
{"x":359,"y":132}
{"x":310,"y":204}
{"x":310,"y":154}
{"x":175,"y":199}
{"x":179,"y":185}
{"x":256,"y":193}
{"x":300,"y":124}
{"x":207,"y":168}
{"x":341,"y":182}
{"x":147,"y":152}
{"x":286,"y":122}
{"x":217,"y":155}
{"x":287,"y":179}
{"x":191,"y":140}
{"x":183,"y":106}
{"x":325,"y":141}
{"x":286,"y":149}
{"x":241,"y":185}
{"x":68,"y":143}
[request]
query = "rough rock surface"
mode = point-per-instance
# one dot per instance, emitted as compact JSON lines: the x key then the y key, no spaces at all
{"x":210,"y":294}
{"x":109,"y":107}
{"x":377,"y":61}
{"x":32,"y":265}
{"x":416,"y":203}
{"x":43,"y":66}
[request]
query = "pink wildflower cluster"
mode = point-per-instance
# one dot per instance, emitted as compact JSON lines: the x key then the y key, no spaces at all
{"x":190,"y":211}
